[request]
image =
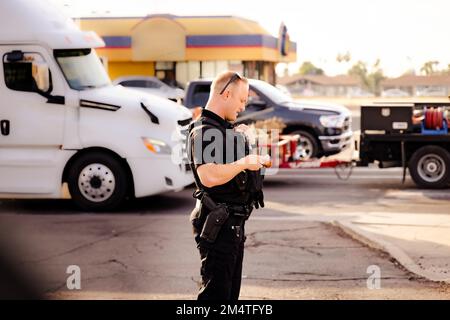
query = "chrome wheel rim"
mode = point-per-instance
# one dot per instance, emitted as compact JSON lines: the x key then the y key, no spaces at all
{"x":96,"y":182}
{"x":305,"y":148}
{"x":431,"y":168}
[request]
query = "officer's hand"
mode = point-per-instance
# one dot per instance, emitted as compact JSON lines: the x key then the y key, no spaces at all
{"x":241,"y":128}
{"x":259,"y":200}
{"x":252,"y":162}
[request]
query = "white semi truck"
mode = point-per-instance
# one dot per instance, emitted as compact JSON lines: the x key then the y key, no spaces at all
{"x":61,"y":119}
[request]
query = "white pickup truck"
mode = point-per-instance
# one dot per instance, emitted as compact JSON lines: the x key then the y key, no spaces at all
{"x":61,"y":119}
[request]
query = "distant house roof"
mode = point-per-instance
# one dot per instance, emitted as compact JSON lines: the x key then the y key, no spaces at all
{"x":340,"y":80}
{"x":413,"y":80}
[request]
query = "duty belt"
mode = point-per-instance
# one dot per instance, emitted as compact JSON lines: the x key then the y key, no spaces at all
{"x":239,"y":210}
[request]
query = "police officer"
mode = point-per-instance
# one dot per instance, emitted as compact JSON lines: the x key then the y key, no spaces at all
{"x":229,"y":185}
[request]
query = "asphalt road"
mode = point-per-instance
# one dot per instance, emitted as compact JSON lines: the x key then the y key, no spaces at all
{"x":146,"y":250}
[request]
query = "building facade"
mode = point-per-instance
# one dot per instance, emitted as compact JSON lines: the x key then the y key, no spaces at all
{"x":414,"y":85}
{"x":178,"y":49}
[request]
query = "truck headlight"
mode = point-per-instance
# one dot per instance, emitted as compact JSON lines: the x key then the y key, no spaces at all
{"x":157,"y":146}
{"x":334,"y":121}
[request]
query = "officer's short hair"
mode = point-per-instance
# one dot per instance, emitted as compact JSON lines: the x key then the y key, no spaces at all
{"x":223,"y":80}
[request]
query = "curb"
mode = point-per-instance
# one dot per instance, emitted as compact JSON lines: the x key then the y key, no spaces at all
{"x":395,"y":252}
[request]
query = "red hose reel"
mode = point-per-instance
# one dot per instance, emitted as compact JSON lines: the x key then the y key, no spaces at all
{"x":434,"y":118}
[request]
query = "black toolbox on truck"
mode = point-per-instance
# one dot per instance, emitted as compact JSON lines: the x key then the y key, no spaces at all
{"x":390,"y":119}
{"x":411,"y":136}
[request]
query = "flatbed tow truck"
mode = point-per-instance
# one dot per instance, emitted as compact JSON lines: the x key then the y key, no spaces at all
{"x":412,"y":136}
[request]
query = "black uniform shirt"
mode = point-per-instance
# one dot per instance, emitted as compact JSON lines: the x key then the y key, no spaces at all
{"x":213,"y":141}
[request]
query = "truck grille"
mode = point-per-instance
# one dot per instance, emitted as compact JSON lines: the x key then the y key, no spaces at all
{"x":183,"y":130}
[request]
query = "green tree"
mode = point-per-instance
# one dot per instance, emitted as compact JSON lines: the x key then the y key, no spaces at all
{"x":370,"y":79}
{"x":429,"y":68}
{"x":308,"y":68}
{"x":360,"y":70}
{"x":344,"y":57}
{"x":376,"y":76}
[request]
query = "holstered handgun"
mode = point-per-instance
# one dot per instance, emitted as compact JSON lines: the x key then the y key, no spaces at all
{"x":215,"y":219}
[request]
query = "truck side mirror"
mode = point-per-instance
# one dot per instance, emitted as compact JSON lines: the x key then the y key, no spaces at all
{"x":14,"y":56}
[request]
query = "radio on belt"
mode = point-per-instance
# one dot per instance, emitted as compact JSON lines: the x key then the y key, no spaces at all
{"x":391,"y":119}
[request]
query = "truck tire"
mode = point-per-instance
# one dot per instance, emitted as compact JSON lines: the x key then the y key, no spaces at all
{"x":429,"y":167}
{"x":97,"y":182}
{"x":309,"y":148}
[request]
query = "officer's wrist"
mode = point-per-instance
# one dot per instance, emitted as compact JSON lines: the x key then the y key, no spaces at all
{"x":242,"y":164}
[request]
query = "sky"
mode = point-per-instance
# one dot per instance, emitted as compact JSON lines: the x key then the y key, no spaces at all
{"x":403,"y":34}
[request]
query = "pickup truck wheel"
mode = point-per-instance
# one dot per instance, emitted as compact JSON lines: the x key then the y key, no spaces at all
{"x":430,"y":167}
{"x":97,"y":181}
{"x":308,"y":147}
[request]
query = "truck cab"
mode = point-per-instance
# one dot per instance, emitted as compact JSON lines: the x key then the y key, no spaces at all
{"x":62,"y":121}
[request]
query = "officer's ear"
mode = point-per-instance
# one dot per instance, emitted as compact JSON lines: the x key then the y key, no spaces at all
{"x":226,"y":94}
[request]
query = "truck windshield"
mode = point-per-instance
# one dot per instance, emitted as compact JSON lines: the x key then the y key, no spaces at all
{"x":274,"y":94}
{"x":82,"y":68}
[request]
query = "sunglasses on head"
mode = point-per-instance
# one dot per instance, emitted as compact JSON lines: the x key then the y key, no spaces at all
{"x":233,"y":78}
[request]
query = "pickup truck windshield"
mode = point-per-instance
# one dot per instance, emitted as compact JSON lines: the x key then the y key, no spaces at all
{"x":82,"y":68}
{"x":271,"y":92}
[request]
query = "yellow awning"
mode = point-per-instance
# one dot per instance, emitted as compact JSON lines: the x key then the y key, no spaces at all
{"x":177,"y":38}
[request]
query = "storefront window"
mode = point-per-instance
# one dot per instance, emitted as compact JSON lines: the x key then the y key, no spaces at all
{"x":165,"y":71}
{"x":164,"y":65}
{"x":194,"y":71}
{"x":208,"y":69}
{"x":260,"y":70}
{"x":181,"y":72}
{"x":187,"y":71}
{"x":222,"y":66}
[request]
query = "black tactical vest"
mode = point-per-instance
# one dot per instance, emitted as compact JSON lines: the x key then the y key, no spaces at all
{"x":235,"y":191}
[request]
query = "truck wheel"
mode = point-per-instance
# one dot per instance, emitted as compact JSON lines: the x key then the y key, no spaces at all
{"x":308,"y":147}
{"x":430,"y":167}
{"x":97,"y":181}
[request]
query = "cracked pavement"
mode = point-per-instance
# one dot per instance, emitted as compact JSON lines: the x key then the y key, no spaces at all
{"x":146,"y":251}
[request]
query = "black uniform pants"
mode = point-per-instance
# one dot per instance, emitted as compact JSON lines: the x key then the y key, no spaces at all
{"x":221,"y":262}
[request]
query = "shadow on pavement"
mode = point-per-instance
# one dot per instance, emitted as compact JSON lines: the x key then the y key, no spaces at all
{"x":171,"y":202}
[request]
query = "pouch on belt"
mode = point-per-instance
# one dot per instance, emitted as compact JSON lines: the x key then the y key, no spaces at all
{"x":214,"y":221}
